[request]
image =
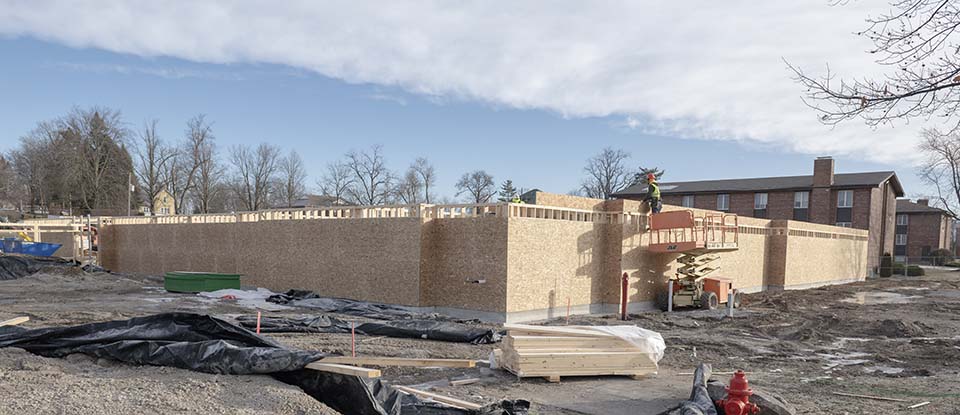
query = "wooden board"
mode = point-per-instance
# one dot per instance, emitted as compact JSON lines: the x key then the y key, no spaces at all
{"x":344,"y":369}
{"x":400,"y":361}
{"x":564,"y":342}
{"x":14,"y":321}
{"x":439,"y":398}
{"x":575,"y":331}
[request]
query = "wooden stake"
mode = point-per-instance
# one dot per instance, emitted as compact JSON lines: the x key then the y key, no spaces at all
{"x":568,"y":311}
{"x":925,"y":403}
{"x":353,"y":339}
{"x":258,"y":321}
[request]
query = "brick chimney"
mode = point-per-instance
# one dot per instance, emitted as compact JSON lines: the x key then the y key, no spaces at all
{"x":923,"y":202}
{"x":823,"y":172}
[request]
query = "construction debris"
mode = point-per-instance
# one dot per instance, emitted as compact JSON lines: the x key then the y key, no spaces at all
{"x":211,"y":345}
{"x":876,"y":398}
{"x":462,"y":382}
{"x":18,"y":266}
{"x":553,"y":352}
{"x":456,"y":403}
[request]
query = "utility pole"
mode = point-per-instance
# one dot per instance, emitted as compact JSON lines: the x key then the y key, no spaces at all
{"x":129,"y":190}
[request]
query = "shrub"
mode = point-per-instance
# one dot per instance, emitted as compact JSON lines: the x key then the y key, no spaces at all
{"x":954,"y":264}
{"x":886,"y":265}
{"x":914,"y":271}
{"x":941,"y":257}
{"x":898,"y":268}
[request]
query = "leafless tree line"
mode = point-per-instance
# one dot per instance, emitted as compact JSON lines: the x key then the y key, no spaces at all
{"x":362,"y":177}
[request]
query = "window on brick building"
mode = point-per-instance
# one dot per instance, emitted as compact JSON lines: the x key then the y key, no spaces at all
{"x":845,"y":199}
{"x":845,"y":208}
{"x":760,"y":205}
{"x":723,"y":202}
{"x":687,"y":201}
{"x":801,"y":200}
{"x":845,"y":224}
{"x":801,"y":206}
{"x":900,"y":239}
{"x":902,"y":220}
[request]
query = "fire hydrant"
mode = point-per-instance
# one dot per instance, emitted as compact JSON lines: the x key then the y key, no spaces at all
{"x":738,"y":397}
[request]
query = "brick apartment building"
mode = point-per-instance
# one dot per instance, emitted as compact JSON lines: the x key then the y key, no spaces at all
{"x":856,"y":200}
{"x":921,"y":229}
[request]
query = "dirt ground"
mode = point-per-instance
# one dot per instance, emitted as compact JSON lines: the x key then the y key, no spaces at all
{"x":896,"y":338}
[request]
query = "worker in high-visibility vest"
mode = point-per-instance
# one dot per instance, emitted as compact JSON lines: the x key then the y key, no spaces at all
{"x":653,"y":193}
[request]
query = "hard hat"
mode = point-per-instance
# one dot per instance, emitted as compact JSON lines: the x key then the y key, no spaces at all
{"x":651,"y":176}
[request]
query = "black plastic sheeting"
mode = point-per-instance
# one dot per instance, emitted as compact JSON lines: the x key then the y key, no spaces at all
{"x":14,"y":267}
{"x":413,"y":329}
{"x":207,"y":344}
{"x":310,"y":299}
{"x":700,"y":402}
{"x":182,"y":340}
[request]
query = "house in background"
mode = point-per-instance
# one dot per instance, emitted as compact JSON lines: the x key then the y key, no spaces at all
{"x":853,"y":200}
{"x":163,"y":204}
{"x":921,"y":229}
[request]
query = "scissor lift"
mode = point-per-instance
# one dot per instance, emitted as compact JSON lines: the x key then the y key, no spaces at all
{"x":697,"y":240}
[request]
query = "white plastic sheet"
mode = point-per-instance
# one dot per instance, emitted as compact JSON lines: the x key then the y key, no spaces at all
{"x":648,"y":341}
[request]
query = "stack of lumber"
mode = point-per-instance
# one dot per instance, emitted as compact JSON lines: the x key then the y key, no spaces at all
{"x":552,"y":352}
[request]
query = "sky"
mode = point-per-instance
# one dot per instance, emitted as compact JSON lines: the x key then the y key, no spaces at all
{"x":526,"y":91}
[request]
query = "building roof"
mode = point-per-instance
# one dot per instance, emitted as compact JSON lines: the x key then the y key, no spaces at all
{"x":845,"y":180}
{"x":906,"y":206}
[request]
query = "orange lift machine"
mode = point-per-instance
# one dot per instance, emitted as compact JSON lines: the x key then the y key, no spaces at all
{"x":698,"y":240}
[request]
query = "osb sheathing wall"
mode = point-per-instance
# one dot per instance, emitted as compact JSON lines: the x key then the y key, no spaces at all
{"x":551,"y":262}
{"x":368,"y":259}
{"x":464,"y":264}
{"x":819,"y":254}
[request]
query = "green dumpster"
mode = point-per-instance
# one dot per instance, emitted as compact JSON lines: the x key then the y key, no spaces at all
{"x":194,"y":282}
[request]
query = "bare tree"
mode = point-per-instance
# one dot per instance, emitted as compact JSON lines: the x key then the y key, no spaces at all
{"x":372,"y":180}
{"x":209,"y":171}
{"x":292,"y":179}
{"x":336,"y":181}
{"x":607,"y":173}
{"x":941,"y":169}
{"x":478,"y":185}
{"x":196,"y":152}
{"x":152,"y":157}
{"x":254,"y":171}
{"x":426,"y":176}
{"x":918,"y":41}
{"x":409,"y":187}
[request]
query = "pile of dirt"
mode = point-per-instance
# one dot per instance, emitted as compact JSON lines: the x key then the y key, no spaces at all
{"x":897,"y":329}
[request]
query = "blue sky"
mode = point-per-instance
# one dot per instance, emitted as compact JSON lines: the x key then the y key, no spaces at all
{"x":538,"y":138}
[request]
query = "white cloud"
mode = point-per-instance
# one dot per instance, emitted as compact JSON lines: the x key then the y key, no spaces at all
{"x":704,"y":69}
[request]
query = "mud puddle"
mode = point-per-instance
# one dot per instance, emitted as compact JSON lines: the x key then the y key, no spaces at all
{"x":880,"y":297}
